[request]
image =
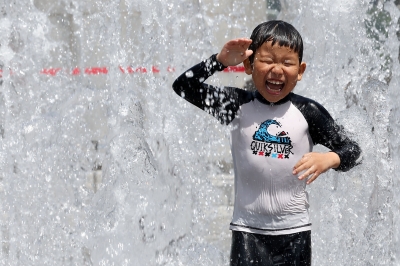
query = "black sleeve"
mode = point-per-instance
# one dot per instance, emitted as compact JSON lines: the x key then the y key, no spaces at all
{"x":325,"y":131}
{"x":222,"y":103}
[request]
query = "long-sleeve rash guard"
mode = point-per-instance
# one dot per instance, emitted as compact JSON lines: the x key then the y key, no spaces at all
{"x":267,"y":140}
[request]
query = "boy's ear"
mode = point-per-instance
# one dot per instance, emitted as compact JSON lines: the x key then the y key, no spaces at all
{"x":247,"y":66}
{"x":302,"y":68}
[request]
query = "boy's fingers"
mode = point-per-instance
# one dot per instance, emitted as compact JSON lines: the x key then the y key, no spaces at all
{"x":300,"y":166}
{"x":248,"y":53}
{"x":312,"y":178}
{"x":296,"y":170}
{"x":242,"y":44}
{"x":312,"y":170}
{"x":303,"y":175}
{"x":235,"y":52}
{"x":244,"y":40}
{"x":246,"y":43}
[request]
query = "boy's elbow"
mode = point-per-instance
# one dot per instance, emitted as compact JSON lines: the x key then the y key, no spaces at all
{"x":350,"y":159}
{"x":177,"y":87}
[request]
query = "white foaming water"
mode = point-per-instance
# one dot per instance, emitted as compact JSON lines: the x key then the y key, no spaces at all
{"x":113,"y":168}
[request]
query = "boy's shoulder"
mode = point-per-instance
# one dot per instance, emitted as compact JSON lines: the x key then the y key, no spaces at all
{"x":302,"y":99}
{"x":306,"y":104}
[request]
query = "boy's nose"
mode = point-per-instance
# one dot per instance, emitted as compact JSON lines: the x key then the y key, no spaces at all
{"x":277,"y":69}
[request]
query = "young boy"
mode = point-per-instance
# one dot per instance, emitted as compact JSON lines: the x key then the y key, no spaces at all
{"x":274,"y":131}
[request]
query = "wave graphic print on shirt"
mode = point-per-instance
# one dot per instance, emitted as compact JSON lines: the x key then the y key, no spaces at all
{"x":277,"y":146}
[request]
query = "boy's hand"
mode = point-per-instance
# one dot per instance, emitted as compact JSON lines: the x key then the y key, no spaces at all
{"x":235,"y":52}
{"x":315,"y":164}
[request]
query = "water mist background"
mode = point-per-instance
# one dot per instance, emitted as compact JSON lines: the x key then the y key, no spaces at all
{"x":115,"y":169}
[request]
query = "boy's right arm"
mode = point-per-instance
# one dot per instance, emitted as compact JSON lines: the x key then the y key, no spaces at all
{"x":222,"y":103}
{"x":190,"y":84}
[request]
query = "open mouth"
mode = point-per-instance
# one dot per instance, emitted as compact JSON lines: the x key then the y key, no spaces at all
{"x":274,"y":86}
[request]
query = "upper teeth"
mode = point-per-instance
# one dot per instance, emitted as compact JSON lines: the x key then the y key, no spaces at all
{"x":275,"y":82}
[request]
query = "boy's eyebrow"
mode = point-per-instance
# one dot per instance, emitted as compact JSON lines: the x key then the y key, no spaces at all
{"x":265,"y":54}
{"x":285,"y":57}
{"x":262,"y":56}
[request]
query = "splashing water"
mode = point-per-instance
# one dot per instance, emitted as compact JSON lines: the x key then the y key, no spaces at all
{"x":102,"y":164}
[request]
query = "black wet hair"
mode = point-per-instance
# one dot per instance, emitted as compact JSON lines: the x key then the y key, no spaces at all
{"x":277,"y":31}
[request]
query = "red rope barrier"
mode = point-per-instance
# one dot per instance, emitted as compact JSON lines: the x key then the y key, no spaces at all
{"x":125,"y":70}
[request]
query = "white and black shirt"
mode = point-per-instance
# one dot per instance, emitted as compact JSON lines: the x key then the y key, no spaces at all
{"x":267,"y":141}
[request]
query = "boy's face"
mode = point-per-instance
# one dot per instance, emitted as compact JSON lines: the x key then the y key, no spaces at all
{"x":275,"y":71}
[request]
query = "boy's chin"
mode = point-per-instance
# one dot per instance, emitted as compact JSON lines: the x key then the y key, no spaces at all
{"x":273,"y":96}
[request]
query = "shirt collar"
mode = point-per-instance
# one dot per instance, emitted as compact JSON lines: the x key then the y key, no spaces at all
{"x":260,"y":98}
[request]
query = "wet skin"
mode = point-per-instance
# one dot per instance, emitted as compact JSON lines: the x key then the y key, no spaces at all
{"x":275,"y":70}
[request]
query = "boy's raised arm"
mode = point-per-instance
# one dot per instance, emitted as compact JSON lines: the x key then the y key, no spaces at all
{"x":221,"y":102}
